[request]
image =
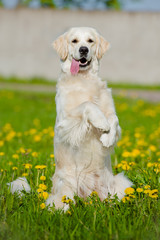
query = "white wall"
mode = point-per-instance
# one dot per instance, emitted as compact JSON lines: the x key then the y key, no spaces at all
{"x":26,"y":36}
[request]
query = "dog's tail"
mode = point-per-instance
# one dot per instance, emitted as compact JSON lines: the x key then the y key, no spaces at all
{"x":19,"y":185}
{"x":121,"y":183}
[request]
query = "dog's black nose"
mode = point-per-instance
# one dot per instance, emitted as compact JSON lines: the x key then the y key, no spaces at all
{"x":83,"y":50}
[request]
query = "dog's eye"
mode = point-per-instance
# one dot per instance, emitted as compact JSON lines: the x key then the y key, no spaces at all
{"x":74,"y":41}
{"x":90,"y":40}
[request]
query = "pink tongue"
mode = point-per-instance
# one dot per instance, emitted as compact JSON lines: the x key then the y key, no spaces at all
{"x":74,"y":67}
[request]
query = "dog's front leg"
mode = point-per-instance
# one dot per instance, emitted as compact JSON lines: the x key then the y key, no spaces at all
{"x":109,"y":139}
{"x":73,"y":127}
{"x":107,"y":106}
{"x":96,"y":117}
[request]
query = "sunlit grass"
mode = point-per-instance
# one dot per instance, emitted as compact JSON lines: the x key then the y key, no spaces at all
{"x":26,"y":150}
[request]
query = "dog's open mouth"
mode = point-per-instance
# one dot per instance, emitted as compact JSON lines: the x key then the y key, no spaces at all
{"x":77,"y":64}
{"x":83,"y":62}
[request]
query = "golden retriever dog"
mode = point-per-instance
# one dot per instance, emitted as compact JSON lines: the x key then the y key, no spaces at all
{"x":87,"y":126}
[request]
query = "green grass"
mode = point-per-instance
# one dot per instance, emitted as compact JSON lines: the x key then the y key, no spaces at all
{"x":34,"y":80}
{"x":26,"y":130}
{"x":37,"y":80}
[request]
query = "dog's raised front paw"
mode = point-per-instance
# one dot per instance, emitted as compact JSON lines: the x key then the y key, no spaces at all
{"x":107,"y":139}
{"x":102,"y":124}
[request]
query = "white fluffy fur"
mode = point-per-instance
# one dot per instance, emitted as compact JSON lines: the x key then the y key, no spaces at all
{"x":87,"y":127}
{"x":19,"y":185}
{"x":85,"y":112}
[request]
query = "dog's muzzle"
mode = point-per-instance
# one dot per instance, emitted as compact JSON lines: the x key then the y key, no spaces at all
{"x":83,"y":62}
{"x":83,"y":51}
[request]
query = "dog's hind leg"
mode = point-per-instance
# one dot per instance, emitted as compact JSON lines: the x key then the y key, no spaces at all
{"x":62,"y":194}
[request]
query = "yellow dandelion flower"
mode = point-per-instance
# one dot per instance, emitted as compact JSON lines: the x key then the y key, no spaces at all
{"x":7,"y":127}
{"x":54,"y":164}
{"x":45,"y":131}
{"x":45,"y":195}
{"x":154,"y":191}
{"x":51,"y":155}
{"x":135,"y":153}
{"x":149,"y":113}
{"x":42,"y":178}
{"x":137,"y":135}
{"x":129,"y":190}
{"x":126,"y":154}
{"x":139,"y":190}
{"x":142,"y":155}
{"x":10,"y":163}
{"x":28,"y":166}
{"x":10,"y":136}
{"x":14,"y":168}
{"x":25,"y":174}
{"x":42,"y":186}
{"x":94,"y":193}
{"x":38,"y":166}
{"x":1,"y":143}
{"x":37,"y":138}
{"x":64,"y":199}
{"x":150,"y":164}
{"x":153,"y":196}
{"x":124,"y":199}
{"x":22,"y":150}
{"x":69,"y":212}
{"x":147,"y":191}
{"x":147,"y":186}
{"x":126,"y":167}
{"x":1,"y":153}
{"x":120,"y":143}
{"x":152,"y":148}
{"x":141,"y":142}
{"x":15,"y":156}
{"x":132,"y":163}
{"x":43,"y":166}
{"x":132,"y":196}
{"x":29,"y":150}
{"x":32,"y":131}
{"x":124,"y":162}
{"x":34,"y":154}
{"x":119,"y":165}
{"x":156,"y":170}
{"x":52,"y":134}
{"x":42,"y":206}
{"x":67,"y":201}
{"x":39,"y":190}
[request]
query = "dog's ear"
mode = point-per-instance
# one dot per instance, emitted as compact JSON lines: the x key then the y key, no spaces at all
{"x":60,"y":45}
{"x":102,"y":46}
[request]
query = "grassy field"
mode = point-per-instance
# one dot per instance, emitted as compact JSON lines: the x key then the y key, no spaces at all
{"x":26,"y":149}
{"x":43,"y":81}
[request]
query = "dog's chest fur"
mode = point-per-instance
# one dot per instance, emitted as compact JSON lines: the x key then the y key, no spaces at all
{"x":78,"y":90}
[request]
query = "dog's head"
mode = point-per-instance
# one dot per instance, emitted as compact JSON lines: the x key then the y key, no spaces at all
{"x":80,"y":49}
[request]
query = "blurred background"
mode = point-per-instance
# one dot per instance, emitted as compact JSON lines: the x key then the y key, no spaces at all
{"x":28,"y":28}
